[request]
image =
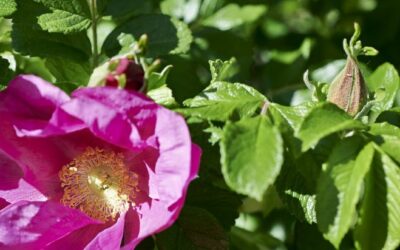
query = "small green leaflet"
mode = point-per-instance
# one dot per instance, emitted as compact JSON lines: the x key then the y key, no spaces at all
{"x":7,"y":7}
{"x":323,"y":120}
{"x":222,"y":100}
{"x":223,"y":70}
{"x":251,"y":155}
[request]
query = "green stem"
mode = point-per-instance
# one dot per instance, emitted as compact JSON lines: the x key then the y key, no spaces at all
{"x":94,"y":33}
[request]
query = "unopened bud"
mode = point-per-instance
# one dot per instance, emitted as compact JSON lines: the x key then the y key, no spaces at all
{"x":348,"y":90}
{"x":127,"y":72}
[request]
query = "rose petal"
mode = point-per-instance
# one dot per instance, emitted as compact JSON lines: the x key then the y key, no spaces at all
{"x":33,"y":225}
{"x":10,"y":173}
{"x":109,"y":238}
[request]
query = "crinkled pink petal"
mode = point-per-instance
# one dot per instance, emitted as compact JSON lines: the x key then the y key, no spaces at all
{"x":159,"y":216}
{"x":109,"y":238}
{"x":34,"y":225}
{"x":78,"y":239}
{"x":23,"y":192}
{"x":10,"y":173}
{"x":32,"y":101}
{"x":31,"y":97}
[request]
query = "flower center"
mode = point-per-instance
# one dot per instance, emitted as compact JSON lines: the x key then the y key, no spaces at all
{"x":99,"y":184}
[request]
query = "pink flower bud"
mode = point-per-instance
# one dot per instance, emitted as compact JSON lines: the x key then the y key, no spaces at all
{"x":132,"y":72}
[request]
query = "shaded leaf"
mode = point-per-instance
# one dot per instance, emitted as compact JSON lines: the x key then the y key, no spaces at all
{"x":223,"y":204}
{"x":195,"y":229}
{"x":69,"y":74}
{"x":387,"y":137}
{"x":379,"y":222}
{"x":29,"y":39}
{"x":165,"y":35}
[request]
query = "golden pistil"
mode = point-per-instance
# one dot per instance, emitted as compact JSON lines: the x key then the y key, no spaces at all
{"x":99,"y":184}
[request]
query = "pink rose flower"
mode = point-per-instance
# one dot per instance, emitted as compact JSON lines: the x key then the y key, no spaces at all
{"x":101,"y":169}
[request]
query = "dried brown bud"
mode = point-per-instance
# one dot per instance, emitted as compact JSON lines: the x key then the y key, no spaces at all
{"x":348,"y":90}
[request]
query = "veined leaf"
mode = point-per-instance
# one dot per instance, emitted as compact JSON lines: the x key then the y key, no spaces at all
{"x":67,"y":16}
{"x":29,"y":39}
{"x":379,"y":223}
{"x":323,"y":120}
{"x":7,"y":7}
{"x":339,"y":188}
{"x":221,"y":100}
{"x":251,"y":155}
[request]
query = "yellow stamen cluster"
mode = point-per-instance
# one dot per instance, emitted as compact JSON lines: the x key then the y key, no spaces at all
{"x":99,"y":184}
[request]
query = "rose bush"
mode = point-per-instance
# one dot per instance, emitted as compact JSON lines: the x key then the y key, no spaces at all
{"x":101,"y":169}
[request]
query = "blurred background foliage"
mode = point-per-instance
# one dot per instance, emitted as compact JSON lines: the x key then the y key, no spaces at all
{"x":273,"y":42}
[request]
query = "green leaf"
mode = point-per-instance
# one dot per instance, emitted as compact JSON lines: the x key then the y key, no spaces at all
{"x":384,"y":81}
{"x":66,"y":17}
{"x":221,"y":100}
{"x":157,"y":80}
{"x":163,"y":96}
{"x":308,"y":237}
{"x":296,"y":186}
{"x":244,"y":239}
{"x":289,"y":57}
{"x":379,"y":222}
{"x":196,"y":229}
{"x":122,"y":9}
{"x":69,"y":73}
{"x":7,"y":7}
{"x":292,"y":116}
{"x":29,"y":39}
{"x":233,"y":16}
{"x":5,"y":72}
{"x":329,"y":71}
{"x":166,"y":35}
{"x":221,"y":203}
{"x":387,"y":136}
{"x":60,"y":21}
{"x":188,"y":10}
{"x":223,"y":70}
{"x":339,"y":188}
{"x":323,"y":120}
{"x":251,"y":155}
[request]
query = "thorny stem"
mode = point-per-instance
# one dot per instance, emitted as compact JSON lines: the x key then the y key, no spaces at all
{"x":95,"y":51}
